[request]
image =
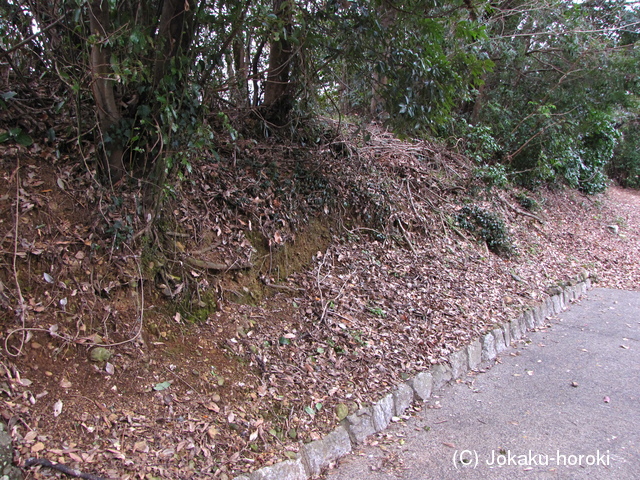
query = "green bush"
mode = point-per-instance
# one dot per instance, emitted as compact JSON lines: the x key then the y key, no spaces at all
{"x":527,"y":202}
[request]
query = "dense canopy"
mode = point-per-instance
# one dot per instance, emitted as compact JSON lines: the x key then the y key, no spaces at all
{"x":546,"y":91}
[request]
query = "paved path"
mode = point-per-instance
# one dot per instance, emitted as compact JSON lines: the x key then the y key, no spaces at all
{"x":564,"y":406}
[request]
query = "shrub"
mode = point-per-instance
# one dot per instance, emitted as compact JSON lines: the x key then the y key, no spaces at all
{"x":486,"y":226}
{"x":527,"y":202}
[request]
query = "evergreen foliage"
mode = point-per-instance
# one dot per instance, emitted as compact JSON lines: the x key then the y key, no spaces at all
{"x":488,"y":227}
{"x":539,"y":92}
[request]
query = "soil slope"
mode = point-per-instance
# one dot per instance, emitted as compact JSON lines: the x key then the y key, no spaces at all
{"x":278,"y":288}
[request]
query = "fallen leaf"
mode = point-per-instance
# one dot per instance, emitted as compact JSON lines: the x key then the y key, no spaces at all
{"x":64,"y":383}
{"x":141,"y":446}
{"x":38,"y":447}
{"x":75,"y":457}
{"x":158,"y":387}
{"x":447,"y":444}
{"x":57,"y":408}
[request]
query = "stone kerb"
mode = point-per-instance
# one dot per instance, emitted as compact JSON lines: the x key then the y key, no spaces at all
{"x":355,"y":428}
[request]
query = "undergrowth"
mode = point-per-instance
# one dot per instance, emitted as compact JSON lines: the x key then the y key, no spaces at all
{"x":488,"y":227}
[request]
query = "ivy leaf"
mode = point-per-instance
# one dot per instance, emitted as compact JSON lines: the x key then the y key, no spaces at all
{"x":162,"y":385}
{"x":24,"y":139}
{"x":8,"y":95}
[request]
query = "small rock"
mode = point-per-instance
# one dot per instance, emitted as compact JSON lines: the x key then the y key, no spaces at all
{"x":613,"y":229}
{"x":100,"y":354}
{"x":342,"y":411}
{"x":554,"y":290}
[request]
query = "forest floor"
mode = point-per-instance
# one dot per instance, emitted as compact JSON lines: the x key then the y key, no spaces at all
{"x":280,"y":288}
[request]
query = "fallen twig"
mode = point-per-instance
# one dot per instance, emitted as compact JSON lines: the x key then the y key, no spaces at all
{"x":22,"y":308}
{"x":61,"y":467}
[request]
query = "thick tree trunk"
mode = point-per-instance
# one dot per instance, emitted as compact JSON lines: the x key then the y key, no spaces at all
{"x":103,"y":92}
{"x":278,"y":94}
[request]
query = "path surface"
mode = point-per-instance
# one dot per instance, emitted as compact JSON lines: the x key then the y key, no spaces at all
{"x":564,"y":406}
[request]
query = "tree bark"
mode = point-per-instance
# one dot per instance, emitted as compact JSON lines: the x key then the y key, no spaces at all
{"x":239,"y":85}
{"x":103,"y":90}
{"x":174,"y":34}
{"x":278,"y":95}
{"x":387,"y":18}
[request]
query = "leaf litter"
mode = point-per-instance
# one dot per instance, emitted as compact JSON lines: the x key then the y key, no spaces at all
{"x":388,"y":286}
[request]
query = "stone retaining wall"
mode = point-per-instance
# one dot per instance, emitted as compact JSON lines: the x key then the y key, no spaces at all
{"x":316,"y":456}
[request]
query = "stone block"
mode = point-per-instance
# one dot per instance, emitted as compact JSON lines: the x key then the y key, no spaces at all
{"x":287,"y":470}
{"x":528,"y":319}
{"x":557,"y":304}
{"x":382,"y":413}
{"x":538,"y":318}
{"x":506,"y":329}
{"x":544,"y":309}
{"x":402,"y":398}
{"x":567,"y":295}
{"x":548,"y":302}
{"x":488,"y":347}
{"x":422,"y":385}
{"x":500,"y":343}
{"x":474,"y":352}
{"x":319,"y":454}
{"x":459,"y":361}
{"x":515,"y":330}
{"x":7,"y":470}
{"x":441,"y":375}
{"x":359,"y":425}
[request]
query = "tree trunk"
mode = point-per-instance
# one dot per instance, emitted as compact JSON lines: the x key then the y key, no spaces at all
{"x":278,"y":94}
{"x":387,"y":18}
{"x":174,"y":34}
{"x":103,"y":92}
{"x":239,"y":86}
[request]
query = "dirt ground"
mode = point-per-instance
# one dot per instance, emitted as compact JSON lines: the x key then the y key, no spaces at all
{"x":220,"y":345}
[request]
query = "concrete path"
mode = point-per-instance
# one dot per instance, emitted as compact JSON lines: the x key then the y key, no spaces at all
{"x":566,"y":405}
